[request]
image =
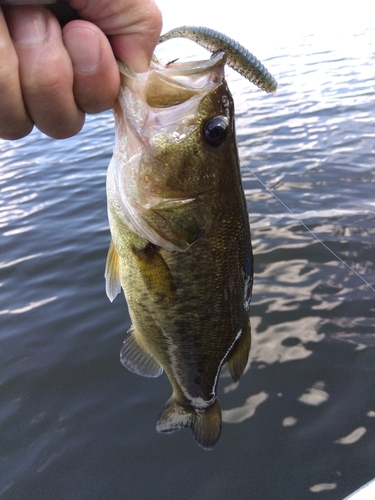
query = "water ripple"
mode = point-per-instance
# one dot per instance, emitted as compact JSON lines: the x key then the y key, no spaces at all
{"x":73,"y":421}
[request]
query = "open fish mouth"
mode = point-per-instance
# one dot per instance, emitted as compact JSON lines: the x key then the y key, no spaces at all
{"x":181,"y":80}
{"x":166,"y":85}
{"x":178,"y":68}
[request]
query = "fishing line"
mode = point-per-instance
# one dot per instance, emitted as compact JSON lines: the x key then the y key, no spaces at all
{"x":309,"y":230}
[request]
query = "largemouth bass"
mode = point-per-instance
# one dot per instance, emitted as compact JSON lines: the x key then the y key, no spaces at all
{"x":181,"y":247}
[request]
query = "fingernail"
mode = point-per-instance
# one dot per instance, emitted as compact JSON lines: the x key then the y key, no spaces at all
{"x":84,"y":49}
{"x":30,"y":26}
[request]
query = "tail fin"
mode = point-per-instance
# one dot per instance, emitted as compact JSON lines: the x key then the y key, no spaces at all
{"x":205,"y":424}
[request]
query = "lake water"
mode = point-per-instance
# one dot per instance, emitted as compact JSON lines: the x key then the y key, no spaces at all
{"x":75,"y":424}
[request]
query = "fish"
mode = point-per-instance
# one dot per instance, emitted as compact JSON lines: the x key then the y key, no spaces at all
{"x":181,"y":243}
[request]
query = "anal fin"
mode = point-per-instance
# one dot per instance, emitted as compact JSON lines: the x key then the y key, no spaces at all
{"x":205,"y":423}
{"x":239,"y":355}
{"x":136,"y":359}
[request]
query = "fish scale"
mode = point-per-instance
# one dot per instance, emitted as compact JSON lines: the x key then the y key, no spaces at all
{"x":181,"y":245}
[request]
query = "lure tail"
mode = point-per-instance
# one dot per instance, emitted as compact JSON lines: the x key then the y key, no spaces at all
{"x":205,"y":424}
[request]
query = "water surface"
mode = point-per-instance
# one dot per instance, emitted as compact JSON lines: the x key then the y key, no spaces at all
{"x":74,"y":424}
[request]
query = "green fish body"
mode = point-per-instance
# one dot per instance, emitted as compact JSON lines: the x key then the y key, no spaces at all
{"x":181,"y":247}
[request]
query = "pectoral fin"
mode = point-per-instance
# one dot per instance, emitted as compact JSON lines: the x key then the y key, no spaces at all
{"x":155,"y":273}
{"x":136,"y":359}
{"x":238,"y":356}
{"x":112,"y":273}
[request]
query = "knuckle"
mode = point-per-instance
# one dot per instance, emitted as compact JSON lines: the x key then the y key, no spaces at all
{"x":153,"y":20}
{"x":45,"y":71}
{"x":48,"y":81}
{"x":9,"y":79}
{"x":8,"y":69}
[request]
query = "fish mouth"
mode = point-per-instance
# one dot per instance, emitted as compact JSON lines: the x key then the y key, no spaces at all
{"x":187,"y":68}
{"x":175,"y":68}
{"x":166,"y":85}
{"x":174,"y":85}
{"x":164,"y":101}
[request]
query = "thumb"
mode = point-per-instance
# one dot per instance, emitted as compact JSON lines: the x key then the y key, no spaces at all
{"x":132,"y":26}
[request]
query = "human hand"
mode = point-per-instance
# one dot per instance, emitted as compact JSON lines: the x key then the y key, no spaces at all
{"x":51,"y":76}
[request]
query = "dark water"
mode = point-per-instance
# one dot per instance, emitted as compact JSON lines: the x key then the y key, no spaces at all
{"x":74,"y":424}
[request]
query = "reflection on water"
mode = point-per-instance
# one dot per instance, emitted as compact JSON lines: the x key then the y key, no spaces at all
{"x":317,"y":488}
{"x":237,"y":415}
{"x":315,"y":395}
{"x":27,"y":308}
{"x":353,"y":436}
{"x":73,"y":421}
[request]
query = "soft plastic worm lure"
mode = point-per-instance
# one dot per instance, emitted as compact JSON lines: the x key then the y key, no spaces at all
{"x":238,"y":58}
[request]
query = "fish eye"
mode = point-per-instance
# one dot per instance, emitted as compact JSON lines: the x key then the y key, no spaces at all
{"x":214,"y":131}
